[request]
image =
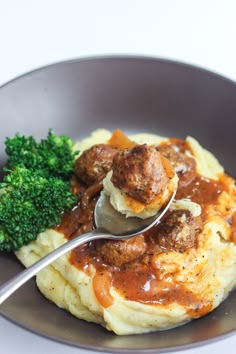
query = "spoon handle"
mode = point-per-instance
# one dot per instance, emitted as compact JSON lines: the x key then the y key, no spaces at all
{"x":10,"y":286}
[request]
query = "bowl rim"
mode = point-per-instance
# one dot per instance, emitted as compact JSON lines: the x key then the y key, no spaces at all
{"x":174,"y":62}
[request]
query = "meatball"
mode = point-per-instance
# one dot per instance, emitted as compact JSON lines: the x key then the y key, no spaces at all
{"x":94,"y":163}
{"x":184,"y":166}
{"x":139,"y":173}
{"x":178,"y":231}
{"x":117,"y":253}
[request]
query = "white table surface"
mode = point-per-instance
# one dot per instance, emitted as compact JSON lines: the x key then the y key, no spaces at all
{"x":35,"y":33}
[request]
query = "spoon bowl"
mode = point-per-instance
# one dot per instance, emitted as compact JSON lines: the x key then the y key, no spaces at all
{"x":110,"y":224}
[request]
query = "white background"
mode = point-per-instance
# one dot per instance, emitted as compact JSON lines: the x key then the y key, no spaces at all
{"x":35,"y":33}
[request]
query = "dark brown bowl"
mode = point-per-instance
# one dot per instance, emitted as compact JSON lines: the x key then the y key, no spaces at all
{"x":137,"y":95}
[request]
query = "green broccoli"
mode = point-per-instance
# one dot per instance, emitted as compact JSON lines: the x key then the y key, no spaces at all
{"x":36,"y":189}
{"x":53,"y":155}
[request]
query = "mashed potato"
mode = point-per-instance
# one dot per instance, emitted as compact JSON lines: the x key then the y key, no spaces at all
{"x":130,"y":207}
{"x":181,"y":286}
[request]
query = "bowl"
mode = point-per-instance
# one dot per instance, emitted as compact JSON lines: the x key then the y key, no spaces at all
{"x":135,"y":94}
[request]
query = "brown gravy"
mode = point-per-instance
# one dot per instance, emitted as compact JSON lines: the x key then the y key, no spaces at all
{"x":138,"y":281}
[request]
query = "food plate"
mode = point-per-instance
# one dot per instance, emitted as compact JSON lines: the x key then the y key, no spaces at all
{"x":137,"y":95}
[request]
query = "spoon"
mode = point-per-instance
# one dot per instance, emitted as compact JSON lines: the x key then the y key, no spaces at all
{"x":110,"y":224}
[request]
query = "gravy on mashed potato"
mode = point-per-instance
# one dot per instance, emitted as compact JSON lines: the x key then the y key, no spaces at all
{"x":177,"y":271}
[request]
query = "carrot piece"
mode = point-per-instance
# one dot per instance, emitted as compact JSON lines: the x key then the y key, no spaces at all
{"x":167,"y":167}
{"x":101,"y":287}
{"x":120,"y":140}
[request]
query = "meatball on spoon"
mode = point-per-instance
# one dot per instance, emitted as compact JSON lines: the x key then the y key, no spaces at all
{"x":110,"y":224}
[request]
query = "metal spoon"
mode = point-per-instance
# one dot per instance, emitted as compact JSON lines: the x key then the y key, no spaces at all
{"x":110,"y":225}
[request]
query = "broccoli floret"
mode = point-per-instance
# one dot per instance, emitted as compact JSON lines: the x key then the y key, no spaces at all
{"x":36,"y":190}
{"x":30,"y":203}
{"x":53,"y":155}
